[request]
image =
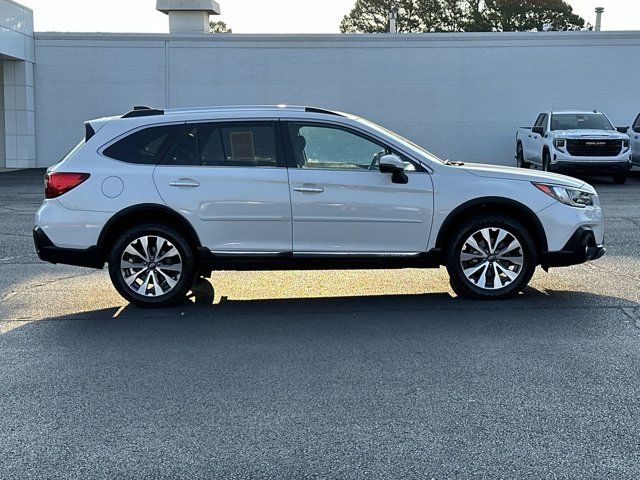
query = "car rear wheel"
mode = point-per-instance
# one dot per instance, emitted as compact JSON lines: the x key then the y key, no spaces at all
{"x":493,"y":256}
{"x":152,"y":266}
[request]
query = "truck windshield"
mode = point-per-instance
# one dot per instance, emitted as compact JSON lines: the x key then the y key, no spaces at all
{"x":580,"y":121}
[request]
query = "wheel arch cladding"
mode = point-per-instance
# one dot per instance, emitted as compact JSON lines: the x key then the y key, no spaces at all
{"x":146,"y":213}
{"x":505,"y":206}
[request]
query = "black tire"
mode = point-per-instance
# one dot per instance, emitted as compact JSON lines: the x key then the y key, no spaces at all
{"x":520,"y":157}
{"x":620,"y":178}
{"x":184,"y":280}
{"x":465,"y":287}
{"x":546,"y":161}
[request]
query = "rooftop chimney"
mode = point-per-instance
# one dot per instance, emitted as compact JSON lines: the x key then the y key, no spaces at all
{"x":599,"y":11}
{"x":393,"y":16}
{"x":188,"y":16}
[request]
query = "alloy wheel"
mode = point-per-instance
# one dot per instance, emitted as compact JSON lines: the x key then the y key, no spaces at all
{"x":151,"y":266}
{"x":491,"y":258}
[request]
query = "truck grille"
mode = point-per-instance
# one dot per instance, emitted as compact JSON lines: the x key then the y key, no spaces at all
{"x":594,"y":148}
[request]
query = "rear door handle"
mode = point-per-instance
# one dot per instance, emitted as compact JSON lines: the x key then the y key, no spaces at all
{"x":309,"y":188}
{"x":184,"y":182}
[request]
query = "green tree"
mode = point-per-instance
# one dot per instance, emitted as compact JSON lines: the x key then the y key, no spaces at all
{"x":525,"y":15}
{"x":371,"y":16}
{"x":219,"y":27}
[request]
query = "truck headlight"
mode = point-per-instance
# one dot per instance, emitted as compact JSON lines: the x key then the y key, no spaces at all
{"x":625,"y":144}
{"x":560,"y":143}
{"x":569,"y":196}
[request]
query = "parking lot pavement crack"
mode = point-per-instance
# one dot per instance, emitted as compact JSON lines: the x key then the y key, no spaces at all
{"x":633,"y":314}
{"x":12,"y":294}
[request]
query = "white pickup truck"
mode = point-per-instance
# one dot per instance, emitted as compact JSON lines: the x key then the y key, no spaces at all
{"x":634,"y":134}
{"x":575,"y":142}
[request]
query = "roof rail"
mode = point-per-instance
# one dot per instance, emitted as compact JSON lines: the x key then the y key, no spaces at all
{"x":142,"y":111}
{"x":322,"y":110}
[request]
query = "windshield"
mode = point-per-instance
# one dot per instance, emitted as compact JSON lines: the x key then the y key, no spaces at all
{"x":408,"y":144}
{"x":580,"y":121}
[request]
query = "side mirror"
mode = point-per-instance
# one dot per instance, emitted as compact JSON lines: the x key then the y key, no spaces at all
{"x":538,"y":130}
{"x":622,"y":129}
{"x":394,"y":165}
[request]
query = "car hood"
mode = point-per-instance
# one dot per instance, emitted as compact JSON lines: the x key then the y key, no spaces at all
{"x":512,"y":173}
{"x":590,"y":134}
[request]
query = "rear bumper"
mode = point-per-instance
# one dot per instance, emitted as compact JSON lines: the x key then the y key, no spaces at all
{"x":89,"y":257}
{"x":580,"y":248}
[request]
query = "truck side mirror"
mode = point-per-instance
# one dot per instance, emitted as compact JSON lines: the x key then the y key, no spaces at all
{"x":538,"y":130}
{"x":622,"y":129}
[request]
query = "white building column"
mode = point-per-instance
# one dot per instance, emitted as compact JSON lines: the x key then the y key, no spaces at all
{"x":19,"y":116}
{"x":17,"y":54}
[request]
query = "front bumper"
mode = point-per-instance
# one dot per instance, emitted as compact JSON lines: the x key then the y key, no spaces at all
{"x":572,"y":166}
{"x":580,"y":248}
{"x":563,"y":162}
{"x":89,"y":257}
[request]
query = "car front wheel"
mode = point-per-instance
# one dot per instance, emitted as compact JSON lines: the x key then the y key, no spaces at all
{"x":152,"y":266}
{"x":520,"y":157}
{"x":546,"y":162}
{"x":493,"y":256}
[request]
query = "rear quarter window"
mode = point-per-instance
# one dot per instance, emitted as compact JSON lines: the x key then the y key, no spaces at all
{"x":144,"y":147}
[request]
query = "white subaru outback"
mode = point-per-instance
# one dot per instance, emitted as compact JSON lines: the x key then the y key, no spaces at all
{"x":163,"y":197}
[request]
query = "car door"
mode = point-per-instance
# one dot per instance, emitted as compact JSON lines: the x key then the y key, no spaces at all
{"x":537,"y":141}
{"x":342,"y":204}
{"x":634,"y":133}
{"x":230,"y":180}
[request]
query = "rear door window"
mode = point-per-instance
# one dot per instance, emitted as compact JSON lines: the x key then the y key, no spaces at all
{"x":241,"y":144}
{"x":145,"y":147}
{"x":249,"y":145}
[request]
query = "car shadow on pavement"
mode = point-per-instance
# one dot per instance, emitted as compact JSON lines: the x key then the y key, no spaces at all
{"x":531,"y":305}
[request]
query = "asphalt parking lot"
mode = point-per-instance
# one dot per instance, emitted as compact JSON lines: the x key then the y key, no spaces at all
{"x":350,"y":375}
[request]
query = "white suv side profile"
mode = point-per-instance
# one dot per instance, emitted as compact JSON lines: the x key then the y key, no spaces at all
{"x":163,"y":197}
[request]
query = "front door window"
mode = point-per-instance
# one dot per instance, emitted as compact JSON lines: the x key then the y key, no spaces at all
{"x":317,"y":146}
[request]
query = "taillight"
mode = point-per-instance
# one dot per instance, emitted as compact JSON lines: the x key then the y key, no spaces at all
{"x":57,"y":183}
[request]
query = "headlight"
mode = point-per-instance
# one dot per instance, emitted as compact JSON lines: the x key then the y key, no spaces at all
{"x":625,"y":144}
{"x":569,"y":196}
{"x":560,"y":143}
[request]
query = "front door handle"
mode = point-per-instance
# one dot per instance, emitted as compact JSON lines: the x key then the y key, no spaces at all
{"x":309,"y":188}
{"x":184,"y":182}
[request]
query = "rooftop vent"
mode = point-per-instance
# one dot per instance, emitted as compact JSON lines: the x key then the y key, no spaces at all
{"x":188,"y":16}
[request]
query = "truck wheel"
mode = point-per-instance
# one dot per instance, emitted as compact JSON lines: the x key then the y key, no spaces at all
{"x":546,"y":161}
{"x":492,"y":256}
{"x":520,"y":157}
{"x":620,"y":178}
{"x":152,"y":266}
